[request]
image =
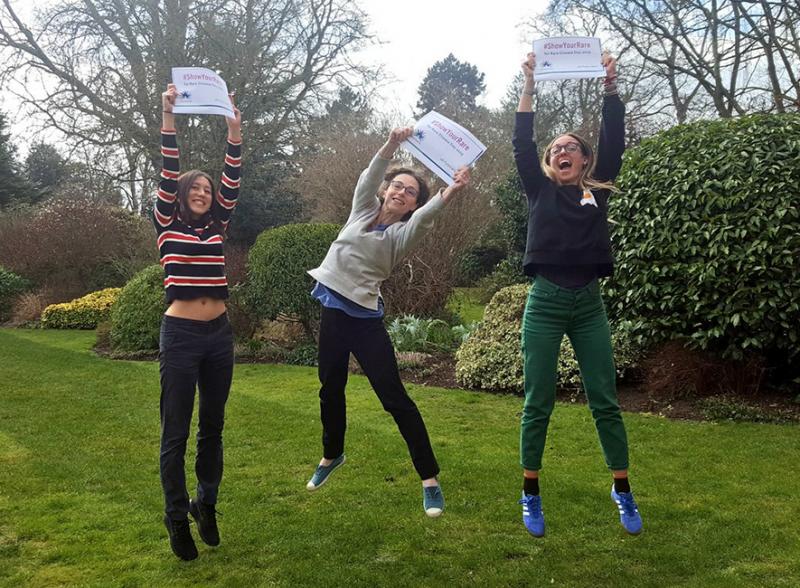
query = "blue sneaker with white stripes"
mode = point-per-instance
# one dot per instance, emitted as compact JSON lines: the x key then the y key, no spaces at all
{"x":322,"y":473}
{"x":532,"y":514}
{"x":628,"y":511}
{"x":432,"y":500}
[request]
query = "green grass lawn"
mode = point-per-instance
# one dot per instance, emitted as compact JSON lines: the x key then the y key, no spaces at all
{"x":80,"y":500}
{"x":466,"y":302}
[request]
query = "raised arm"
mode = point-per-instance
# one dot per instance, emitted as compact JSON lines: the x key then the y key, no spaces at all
{"x":611,"y":144}
{"x":164,"y":210}
{"x":525,"y":153}
{"x":226,"y":198}
{"x":411,"y":232}
{"x":365,"y":194}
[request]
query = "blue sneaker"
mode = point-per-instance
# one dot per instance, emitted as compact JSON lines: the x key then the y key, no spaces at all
{"x":532,"y":514}
{"x":322,"y":473}
{"x":432,"y":500}
{"x":628,"y":511}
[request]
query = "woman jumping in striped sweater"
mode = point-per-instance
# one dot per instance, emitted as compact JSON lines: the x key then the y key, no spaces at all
{"x":196,"y":346}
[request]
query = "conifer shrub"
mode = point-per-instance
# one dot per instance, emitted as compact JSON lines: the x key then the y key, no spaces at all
{"x":136,"y":316}
{"x":11,"y":286}
{"x":277,"y":281}
{"x":707,"y":240}
{"x":82,"y":313}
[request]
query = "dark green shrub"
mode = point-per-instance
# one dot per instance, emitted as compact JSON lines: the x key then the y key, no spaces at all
{"x":478,"y":261}
{"x":303,"y":355}
{"x":507,"y":273}
{"x":136,"y":316}
{"x":708,"y":237}
{"x":491,"y":358}
{"x":277,"y":280}
{"x":11,"y":286}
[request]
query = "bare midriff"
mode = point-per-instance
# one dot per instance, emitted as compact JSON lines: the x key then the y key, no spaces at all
{"x":197,"y":309}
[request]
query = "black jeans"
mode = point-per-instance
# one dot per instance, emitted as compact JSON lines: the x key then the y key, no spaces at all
{"x":193,"y":354}
{"x":367,"y":339}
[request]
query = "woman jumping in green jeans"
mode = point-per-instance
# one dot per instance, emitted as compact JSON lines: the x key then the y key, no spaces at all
{"x":568,"y":249}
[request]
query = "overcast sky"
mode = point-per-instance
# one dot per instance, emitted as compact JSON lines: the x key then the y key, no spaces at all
{"x":417,"y":33}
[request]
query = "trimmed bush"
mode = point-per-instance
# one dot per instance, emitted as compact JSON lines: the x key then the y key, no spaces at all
{"x":491,"y":358}
{"x":82,"y":313}
{"x":11,"y":286}
{"x":708,"y":237}
{"x":277,"y":280}
{"x":136,"y":317}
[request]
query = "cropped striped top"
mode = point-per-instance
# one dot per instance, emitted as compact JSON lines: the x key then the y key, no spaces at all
{"x":193,"y":257}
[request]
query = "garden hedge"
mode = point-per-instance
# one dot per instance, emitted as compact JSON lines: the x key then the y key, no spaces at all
{"x":707,"y":239}
{"x":277,"y":281}
{"x":82,"y":313}
{"x":136,"y":316}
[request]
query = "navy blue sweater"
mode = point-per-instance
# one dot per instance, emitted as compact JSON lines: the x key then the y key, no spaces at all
{"x":561,"y":232}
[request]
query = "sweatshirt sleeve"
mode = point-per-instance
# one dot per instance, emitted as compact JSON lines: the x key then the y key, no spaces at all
{"x":611,"y":144}
{"x":164,"y":210}
{"x":413,"y":231}
{"x":228,"y":193}
{"x":365,"y":194}
{"x":525,"y":154}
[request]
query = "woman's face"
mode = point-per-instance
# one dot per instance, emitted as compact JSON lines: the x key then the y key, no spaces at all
{"x":401,"y":195}
{"x":567,"y":159}
{"x":199,"y":197}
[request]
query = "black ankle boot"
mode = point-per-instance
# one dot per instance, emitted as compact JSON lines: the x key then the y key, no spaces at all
{"x":180,"y":538}
{"x":205,"y":515}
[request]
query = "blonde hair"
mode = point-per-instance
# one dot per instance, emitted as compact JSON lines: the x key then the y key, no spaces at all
{"x":585,"y":179}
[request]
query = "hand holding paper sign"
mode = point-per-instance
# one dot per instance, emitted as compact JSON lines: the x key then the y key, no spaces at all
{"x":461,"y":180}
{"x":563,"y":58}
{"x":200,"y":91}
{"x":235,"y":123}
{"x":443,"y":146}
{"x":610,"y":64}
{"x":396,"y":137}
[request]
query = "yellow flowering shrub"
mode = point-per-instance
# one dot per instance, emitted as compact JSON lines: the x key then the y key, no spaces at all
{"x":81,"y":313}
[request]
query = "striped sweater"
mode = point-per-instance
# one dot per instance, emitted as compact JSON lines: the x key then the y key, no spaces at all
{"x":193,"y":258}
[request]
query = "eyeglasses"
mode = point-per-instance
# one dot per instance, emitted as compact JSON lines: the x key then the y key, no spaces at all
{"x":570,"y":147}
{"x":398,"y":185}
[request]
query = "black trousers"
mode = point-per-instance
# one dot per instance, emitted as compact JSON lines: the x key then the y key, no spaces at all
{"x":193,"y":354}
{"x":367,"y":339}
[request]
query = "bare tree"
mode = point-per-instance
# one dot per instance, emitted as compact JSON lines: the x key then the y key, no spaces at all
{"x":94,"y":69}
{"x":575,"y":105}
{"x":740,"y":55}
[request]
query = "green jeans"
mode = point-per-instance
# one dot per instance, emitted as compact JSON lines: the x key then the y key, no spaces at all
{"x":550,"y":313}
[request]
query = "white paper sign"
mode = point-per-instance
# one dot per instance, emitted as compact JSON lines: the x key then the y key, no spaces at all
{"x":200,"y":91}
{"x":565,"y":58}
{"x":443,"y":146}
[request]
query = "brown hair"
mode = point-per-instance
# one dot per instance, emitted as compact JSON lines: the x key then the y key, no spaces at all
{"x":185,"y":181}
{"x":585,"y":179}
{"x":424,"y":190}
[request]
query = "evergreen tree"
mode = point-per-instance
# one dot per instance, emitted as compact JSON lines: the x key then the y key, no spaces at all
{"x":450,"y":87}
{"x":13,"y":187}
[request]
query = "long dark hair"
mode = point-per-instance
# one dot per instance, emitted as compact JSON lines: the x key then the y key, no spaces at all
{"x":185,"y":182}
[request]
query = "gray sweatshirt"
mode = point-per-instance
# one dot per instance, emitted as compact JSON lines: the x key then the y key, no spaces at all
{"x":359,"y":260}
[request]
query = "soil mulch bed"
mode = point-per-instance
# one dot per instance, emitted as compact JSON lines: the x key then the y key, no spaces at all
{"x":440,"y":371}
